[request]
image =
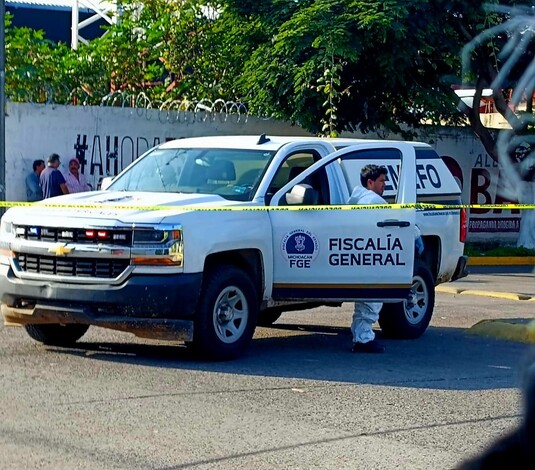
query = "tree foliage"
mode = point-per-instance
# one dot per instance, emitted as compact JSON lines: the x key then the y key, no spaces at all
{"x":162,"y":48}
{"x":502,"y":58}
{"x":328,"y":65}
{"x":388,"y":58}
{"x":33,"y":63}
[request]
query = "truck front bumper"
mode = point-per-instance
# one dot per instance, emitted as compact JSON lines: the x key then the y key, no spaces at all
{"x":147,"y":305}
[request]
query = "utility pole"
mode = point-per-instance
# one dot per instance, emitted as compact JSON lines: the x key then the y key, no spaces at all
{"x":2,"y":103}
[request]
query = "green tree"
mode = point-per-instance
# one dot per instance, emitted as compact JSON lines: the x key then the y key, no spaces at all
{"x":391,"y":62}
{"x":396,"y":59}
{"x":333,"y":65}
{"x":502,"y":57}
{"x":165,"y":49}
{"x":328,"y":65}
{"x":33,"y":66}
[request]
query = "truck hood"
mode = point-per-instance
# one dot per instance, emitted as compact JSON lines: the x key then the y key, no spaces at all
{"x":118,"y":206}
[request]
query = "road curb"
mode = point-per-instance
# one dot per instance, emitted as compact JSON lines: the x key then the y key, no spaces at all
{"x":500,"y":329}
{"x":485,"y":293}
{"x":497,"y":295}
{"x":501,"y":261}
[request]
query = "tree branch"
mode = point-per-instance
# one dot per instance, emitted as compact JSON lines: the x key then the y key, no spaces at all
{"x":502,"y":105}
{"x":474,"y":118}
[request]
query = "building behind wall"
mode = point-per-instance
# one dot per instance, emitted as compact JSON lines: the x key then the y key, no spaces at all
{"x":54,"y":17}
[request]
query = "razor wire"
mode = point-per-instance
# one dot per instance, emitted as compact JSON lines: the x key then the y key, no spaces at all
{"x":171,"y":110}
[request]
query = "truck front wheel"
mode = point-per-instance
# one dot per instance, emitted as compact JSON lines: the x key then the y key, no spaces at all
{"x":55,"y":334}
{"x":403,"y":321}
{"x":226,"y":316}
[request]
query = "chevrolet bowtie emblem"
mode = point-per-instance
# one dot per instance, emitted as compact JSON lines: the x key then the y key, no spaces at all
{"x":60,"y":249}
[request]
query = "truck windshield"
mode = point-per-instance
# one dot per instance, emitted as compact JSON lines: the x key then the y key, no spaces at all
{"x":229,"y":173}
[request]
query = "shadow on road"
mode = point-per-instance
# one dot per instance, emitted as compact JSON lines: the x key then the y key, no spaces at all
{"x":444,"y":358}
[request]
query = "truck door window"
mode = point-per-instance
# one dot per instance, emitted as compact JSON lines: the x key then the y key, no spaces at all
{"x":388,"y":157}
{"x":292,"y":167}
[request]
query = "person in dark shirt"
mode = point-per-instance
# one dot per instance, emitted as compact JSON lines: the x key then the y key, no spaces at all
{"x":33,"y":186}
{"x":51,"y":180}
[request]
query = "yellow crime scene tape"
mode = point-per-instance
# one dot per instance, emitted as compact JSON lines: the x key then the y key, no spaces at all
{"x":343,"y":207}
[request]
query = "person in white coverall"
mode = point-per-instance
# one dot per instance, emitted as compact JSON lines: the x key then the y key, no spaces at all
{"x":366,"y":314}
{"x":372,"y":178}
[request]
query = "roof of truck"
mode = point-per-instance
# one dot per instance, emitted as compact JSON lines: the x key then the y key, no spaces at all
{"x":265,"y":142}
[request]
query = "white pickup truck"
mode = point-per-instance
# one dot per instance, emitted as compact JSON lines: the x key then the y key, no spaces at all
{"x":203,"y":239}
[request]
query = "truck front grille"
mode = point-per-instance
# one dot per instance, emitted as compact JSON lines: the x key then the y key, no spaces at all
{"x":78,"y":267}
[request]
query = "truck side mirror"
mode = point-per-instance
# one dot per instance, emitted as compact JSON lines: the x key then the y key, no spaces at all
{"x":105,"y":182}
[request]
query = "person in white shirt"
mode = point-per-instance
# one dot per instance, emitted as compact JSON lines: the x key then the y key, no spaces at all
{"x":75,"y":181}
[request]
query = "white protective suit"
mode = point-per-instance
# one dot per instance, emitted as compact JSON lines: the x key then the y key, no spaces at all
{"x":365,"y":313}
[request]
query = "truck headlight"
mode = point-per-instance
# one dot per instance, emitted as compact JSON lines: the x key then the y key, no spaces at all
{"x":7,"y":231}
{"x":6,"y":228}
{"x":158,"y":247}
{"x":148,"y":236}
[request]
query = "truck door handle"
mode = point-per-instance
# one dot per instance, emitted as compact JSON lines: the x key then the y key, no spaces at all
{"x":393,"y":223}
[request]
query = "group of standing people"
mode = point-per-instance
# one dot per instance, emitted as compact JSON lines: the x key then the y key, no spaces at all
{"x":48,"y":181}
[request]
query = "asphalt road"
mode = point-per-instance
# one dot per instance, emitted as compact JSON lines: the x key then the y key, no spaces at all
{"x":297,"y":400}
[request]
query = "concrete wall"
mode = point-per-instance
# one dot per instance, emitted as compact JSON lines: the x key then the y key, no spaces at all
{"x":112,"y":137}
{"x":482,"y":182}
{"x":109,"y":138}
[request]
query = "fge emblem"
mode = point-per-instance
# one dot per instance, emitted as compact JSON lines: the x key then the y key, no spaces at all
{"x":300,"y":248}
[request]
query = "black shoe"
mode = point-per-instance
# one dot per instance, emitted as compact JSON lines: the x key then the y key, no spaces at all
{"x":374,"y":347}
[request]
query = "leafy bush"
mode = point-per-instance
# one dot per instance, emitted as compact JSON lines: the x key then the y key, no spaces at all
{"x":495,"y":249}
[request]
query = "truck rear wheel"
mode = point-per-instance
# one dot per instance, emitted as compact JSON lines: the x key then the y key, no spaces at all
{"x":226,"y":317}
{"x":400,"y":321}
{"x":55,"y":334}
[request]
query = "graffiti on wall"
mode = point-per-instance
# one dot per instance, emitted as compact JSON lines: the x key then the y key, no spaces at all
{"x":483,"y":183}
{"x":108,"y":155}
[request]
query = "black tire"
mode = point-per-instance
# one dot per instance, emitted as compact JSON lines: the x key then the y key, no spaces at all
{"x":55,"y":334}
{"x":269,"y":316}
{"x":396,"y":321}
{"x":226,"y":316}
